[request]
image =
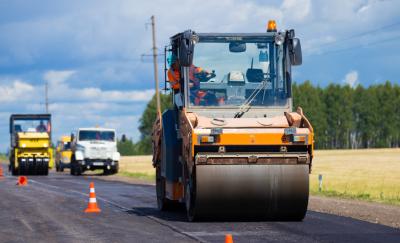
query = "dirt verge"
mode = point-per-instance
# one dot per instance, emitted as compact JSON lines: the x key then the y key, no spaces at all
{"x":368,"y":211}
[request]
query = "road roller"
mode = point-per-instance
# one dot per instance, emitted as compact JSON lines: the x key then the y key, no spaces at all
{"x":232,"y":146}
{"x":31,"y":152}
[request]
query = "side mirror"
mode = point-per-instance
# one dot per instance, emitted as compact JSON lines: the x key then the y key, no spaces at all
{"x":295,"y":52}
{"x":186,"y":49}
{"x":237,"y":47}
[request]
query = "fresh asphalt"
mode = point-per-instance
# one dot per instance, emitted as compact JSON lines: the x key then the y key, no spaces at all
{"x":50,"y":209}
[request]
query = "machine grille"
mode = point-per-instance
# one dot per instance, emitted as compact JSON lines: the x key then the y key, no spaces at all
{"x":251,"y":148}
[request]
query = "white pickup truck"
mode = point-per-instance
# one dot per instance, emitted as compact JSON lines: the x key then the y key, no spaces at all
{"x":94,"y":148}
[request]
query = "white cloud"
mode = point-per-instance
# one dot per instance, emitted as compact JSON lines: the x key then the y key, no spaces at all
{"x":296,"y":9}
{"x":60,"y":89}
{"x":16,"y":91}
{"x":55,"y":77}
{"x":351,"y":78}
{"x":74,"y":107}
{"x":112,"y":95}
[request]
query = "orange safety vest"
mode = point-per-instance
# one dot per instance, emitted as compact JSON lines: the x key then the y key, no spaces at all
{"x":173,"y":78}
{"x":199,"y":96}
{"x":192,"y":71}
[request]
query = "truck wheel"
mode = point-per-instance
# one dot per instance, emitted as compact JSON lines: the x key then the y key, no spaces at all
{"x":72,"y":168}
{"x":61,"y":168}
{"x":163,"y":203}
{"x":14,"y":171}
{"x":78,"y":169}
{"x":114,"y":169}
{"x":45,"y":169}
{"x":21,"y":168}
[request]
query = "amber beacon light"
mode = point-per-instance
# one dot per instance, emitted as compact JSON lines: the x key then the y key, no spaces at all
{"x":271,"y":27}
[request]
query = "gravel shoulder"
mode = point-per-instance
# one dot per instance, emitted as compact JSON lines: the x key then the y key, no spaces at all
{"x":368,"y":211}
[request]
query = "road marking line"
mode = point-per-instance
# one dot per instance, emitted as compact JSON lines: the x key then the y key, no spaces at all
{"x":125,"y":209}
{"x":25,"y":224}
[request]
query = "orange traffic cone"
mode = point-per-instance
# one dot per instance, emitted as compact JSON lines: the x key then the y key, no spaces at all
{"x":92,"y":206}
{"x":22,"y":181}
{"x":228,"y":238}
{"x":1,"y":173}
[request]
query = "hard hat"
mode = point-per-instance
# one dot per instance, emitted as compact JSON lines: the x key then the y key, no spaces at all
{"x":171,"y":59}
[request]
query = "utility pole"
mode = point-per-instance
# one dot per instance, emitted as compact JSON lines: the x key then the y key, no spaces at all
{"x":153,"y":28}
{"x":46,"y":101}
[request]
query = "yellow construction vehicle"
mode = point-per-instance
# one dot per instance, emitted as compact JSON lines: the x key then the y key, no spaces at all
{"x":63,"y":153}
{"x":231,"y":146}
{"x":31,"y":152}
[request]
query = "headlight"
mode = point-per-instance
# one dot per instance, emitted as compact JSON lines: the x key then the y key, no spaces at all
{"x":80,"y":147}
{"x":279,"y":39}
{"x":299,"y":138}
{"x":208,"y":139}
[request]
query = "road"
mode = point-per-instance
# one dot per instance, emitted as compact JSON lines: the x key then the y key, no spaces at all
{"x":50,"y":209}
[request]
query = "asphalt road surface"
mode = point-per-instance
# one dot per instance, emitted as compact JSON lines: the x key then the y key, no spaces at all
{"x":50,"y":209}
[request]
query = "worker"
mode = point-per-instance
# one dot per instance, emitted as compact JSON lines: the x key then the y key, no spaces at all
{"x":196,"y":75}
{"x":41,"y":127}
{"x":174,"y":74}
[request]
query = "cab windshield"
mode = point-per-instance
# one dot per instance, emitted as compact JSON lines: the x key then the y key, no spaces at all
{"x":236,"y":73}
{"x":96,"y":135}
{"x":32,"y":125}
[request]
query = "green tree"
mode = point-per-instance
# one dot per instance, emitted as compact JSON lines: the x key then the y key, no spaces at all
{"x":309,"y":98}
{"x":126,"y":146}
{"x":146,"y":122}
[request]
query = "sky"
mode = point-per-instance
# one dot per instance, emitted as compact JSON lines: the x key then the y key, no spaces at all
{"x":90,"y":52}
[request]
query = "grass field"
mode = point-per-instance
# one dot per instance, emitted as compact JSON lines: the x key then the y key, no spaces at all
{"x":137,"y":167}
{"x":3,"y":159}
{"x":370,"y":174}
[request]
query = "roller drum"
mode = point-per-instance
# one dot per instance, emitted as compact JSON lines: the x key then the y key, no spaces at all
{"x":251,"y":191}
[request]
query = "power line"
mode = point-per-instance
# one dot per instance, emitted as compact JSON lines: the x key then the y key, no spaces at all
{"x":355,"y":47}
{"x":360,"y":34}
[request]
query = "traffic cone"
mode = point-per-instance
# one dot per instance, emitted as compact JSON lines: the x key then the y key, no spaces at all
{"x":22,"y":181}
{"x":92,"y":206}
{"x":228,"y":238}
{"x":1,"y":173}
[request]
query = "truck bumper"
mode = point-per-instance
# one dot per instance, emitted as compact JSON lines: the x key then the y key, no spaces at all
{"x":65,"y":165}
{"x":93,"y":164}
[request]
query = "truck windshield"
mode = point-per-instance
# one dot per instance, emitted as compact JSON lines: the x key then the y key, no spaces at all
{"x":247,"y":72}
{"x":96,"y":135}
{"x":31,"y":125}
{"x":67,"y":146}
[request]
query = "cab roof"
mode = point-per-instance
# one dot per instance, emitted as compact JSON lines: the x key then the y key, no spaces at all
{"x":65,"y":138}
{"x":96,"y":129}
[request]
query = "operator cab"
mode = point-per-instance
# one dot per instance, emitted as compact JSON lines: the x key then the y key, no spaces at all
{"x":29,"y":123}
{"x":242,"y":74}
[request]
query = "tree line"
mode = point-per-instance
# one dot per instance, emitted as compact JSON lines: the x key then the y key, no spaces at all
{"x":343,"y":117}
{"x":351,"y":118}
